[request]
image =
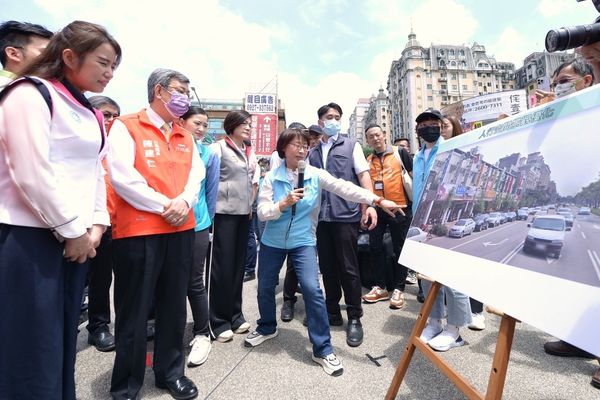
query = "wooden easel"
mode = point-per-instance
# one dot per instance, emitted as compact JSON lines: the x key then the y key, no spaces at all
{"x":499,"y":365}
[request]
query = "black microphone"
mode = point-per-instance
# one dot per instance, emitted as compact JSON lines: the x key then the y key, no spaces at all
{"x":301,"y":168}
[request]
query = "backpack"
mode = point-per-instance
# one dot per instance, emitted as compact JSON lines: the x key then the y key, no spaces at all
{"x":36,"y":82}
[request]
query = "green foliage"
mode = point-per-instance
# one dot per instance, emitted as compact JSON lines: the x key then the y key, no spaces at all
{"x":439,"y":230}
{"x":367,"y":151}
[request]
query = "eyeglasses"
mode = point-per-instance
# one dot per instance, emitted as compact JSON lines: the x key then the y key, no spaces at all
{"x":108,"y":115}
{"x":299,"y":146}
{"x":564,"y":80}
{"x":179,"y":90}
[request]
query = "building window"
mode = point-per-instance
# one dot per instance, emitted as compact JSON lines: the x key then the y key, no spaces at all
{"x":464,"y":76}
{"x":444,"y":87}
{"x":464,"y":87}
{"x":429,"y":98}
{"x":512,"y":86}
{"x":428,"y":74}
{"x":382,"y":109}
{"x":444,"y":98}
{"x":454,"y":87}
{"x":489,"y":83}
{"x":454,"y":98}
{"x":453,"y":77}
{"x":383,"y":124}
{"x":479,"y":84}
{"x":429,"y":86}
{"x":383,"y":117}
{"x":451,"y":52}
{"x":418,"y":76}
{"x":461,"y":53}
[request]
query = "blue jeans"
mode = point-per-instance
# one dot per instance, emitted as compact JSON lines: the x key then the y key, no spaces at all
{"x":305,"y":263}
{"x":458,"y":306}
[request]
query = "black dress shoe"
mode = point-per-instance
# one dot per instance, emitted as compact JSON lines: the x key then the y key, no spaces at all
{"x":335,"y":319}
{"x":249,"y":276}
{"x":287,"y":311}
{"x":181,"y":389}
{"x":102,"y":341}
{"x":421,"y":296}
{"x":354,"y":333}
{"x":563,"y":349}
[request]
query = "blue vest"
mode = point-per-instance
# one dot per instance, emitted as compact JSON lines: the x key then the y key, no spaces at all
{"x":201,"y":208}
{"x":302,"y":231}
{"x":340,"y":164}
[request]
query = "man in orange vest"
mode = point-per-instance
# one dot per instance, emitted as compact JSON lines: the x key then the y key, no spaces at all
{"x":156,"y":173}
{"x":385,"y":169}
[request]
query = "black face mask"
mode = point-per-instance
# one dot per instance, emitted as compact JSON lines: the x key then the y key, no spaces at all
{"x":429,"y":133}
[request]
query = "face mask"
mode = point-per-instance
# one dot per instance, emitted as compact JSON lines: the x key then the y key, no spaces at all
{"x":178,"y":105}
{"x":564,"y":89}
{"x":332,"y":127}
{"x":429,"y":133}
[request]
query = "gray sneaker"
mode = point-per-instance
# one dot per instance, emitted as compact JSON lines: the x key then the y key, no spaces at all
{"x":255,"y":338}
{"x":330,"y":363}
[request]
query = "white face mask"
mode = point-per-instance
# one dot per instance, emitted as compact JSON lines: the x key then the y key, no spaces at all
{"x":564,"y":89}
{"x":332,"y":127}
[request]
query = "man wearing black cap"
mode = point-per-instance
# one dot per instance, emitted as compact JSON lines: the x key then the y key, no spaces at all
{"x":429,"y":125}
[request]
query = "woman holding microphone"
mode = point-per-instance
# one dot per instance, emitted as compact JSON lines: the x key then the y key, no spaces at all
{"x":291,"y":216}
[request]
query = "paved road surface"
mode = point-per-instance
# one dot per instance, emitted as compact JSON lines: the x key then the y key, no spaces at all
{"x":282,"y":368}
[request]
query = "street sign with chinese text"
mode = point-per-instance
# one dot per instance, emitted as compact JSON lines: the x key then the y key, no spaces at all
{"x":264,"y":133}
{"x":261,"y":103}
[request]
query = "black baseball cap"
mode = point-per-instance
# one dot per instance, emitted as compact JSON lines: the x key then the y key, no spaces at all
{"x":315,"y":129}
{"x":430,"y":113}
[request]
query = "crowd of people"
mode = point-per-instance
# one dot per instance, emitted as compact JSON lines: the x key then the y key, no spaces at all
{"x":86,"y":192}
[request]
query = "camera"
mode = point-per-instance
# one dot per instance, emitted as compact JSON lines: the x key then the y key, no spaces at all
{"x":574,"y":36}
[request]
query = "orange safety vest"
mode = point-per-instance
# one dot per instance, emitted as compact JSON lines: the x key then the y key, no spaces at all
{"x":165,"y":166}
{"x":388,"y":170}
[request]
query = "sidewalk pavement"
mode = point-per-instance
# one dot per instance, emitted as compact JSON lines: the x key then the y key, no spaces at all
{"x":282,"y":368}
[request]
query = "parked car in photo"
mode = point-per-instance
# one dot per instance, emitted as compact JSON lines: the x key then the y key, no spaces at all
{"x":494,"y":219}
{"x":522,"y":214}
{"x":568,"y":217}
{"x":462,"y":227}
{"x":584,"y":211}
{"x":416,"y":234}
{"x":546,"y":235}
{"x":481,"y":222}
{"x":511,"y":216}
{"x":503,"y":218}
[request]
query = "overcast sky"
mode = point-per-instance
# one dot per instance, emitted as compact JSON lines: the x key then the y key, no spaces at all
{"x":321,"y":50}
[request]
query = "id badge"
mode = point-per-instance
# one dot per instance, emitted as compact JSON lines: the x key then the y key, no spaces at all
{"x":378,"y":185}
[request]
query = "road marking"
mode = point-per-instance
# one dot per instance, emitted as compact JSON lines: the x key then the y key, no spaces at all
{"x":583,"y":234}
{"x":478,"y":237}
{"x":550,"y":260}
{"x":595,"y":261}
{"x":510,"y":255}
{"x":486,"y":244}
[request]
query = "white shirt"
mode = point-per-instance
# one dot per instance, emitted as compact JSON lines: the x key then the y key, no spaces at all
{"x":360,"y":162}
{"x":131,"y":185}
{"x":51,"y":174}
{"x":268,"y":209}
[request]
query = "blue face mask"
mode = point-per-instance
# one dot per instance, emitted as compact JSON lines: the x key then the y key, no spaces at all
{"x":332,"y":127}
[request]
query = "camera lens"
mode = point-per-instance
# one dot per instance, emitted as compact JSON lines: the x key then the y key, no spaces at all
{"x":572,"y":37}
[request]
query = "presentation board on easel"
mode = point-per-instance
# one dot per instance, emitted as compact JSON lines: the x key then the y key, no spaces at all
{"x":512,"y":208}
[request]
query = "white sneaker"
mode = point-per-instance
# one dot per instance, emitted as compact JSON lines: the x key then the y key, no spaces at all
{"x":411,"y":278}
{"x":431,"y":330}
{"x":201,"y":347}
{"x":243,"y":328}
{"x":446,"y":340}
{"x":478,"y":322}
{"x":225,"y":336}
{"x":256,"y":338}
{"x":330,"y":363}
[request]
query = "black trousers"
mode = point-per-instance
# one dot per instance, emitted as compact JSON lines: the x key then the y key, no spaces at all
{"x":40,"y":301}
{"x":197,"y":290}
{"x":476,"y":306}
{"x":398,"y":227}
{"x":147,"y":268}
{"x":226,"y":272}
{"x":100,"y":279}
{"x":290,"y":282}
{"x":338,"y":261}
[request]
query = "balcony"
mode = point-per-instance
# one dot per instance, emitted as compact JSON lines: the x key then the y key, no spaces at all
{"x":442,"y":79}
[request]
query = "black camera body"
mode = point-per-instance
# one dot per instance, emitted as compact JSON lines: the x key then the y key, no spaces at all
{"x":574,"y":36}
